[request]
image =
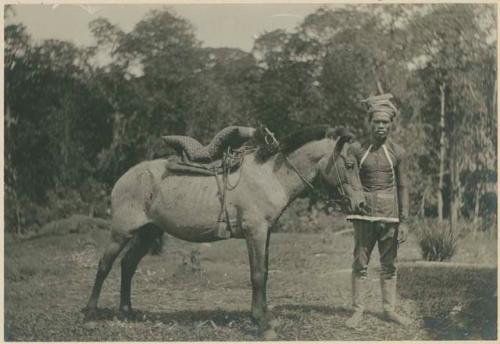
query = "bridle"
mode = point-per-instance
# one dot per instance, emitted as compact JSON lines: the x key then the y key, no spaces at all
{"x":271,"y":140}
{"x":339,"y":178}
{"x":343,"y":201}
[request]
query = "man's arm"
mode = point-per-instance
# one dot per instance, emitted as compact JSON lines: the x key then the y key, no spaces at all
{"x":403,"y":186}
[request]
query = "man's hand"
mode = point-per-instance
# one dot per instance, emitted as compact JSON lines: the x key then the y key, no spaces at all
{"x":402,"y":232}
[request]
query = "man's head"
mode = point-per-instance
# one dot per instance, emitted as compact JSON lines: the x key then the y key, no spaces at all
{"x":381,"y":113}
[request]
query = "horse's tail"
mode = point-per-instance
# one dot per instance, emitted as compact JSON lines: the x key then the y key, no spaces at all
{"x":158,"y":244}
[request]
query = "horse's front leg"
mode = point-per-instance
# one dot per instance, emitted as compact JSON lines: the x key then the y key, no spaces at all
{"x":257,"y":239}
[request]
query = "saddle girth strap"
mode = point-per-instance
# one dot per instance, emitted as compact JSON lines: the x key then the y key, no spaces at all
{"x":224,"y":229}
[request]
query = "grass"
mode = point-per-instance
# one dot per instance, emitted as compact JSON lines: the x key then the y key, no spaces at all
{"x":455,"y":302}
{"x":48,"y":280}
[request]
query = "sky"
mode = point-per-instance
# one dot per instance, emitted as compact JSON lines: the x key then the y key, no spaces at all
{"x":216,"y":25}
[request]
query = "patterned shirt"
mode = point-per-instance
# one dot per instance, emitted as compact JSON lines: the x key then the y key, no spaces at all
{"x":383,"y":174}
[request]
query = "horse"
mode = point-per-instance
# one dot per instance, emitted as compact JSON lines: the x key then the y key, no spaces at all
{"x":147,"y":201}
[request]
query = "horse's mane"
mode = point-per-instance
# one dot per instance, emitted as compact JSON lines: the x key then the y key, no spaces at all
{"x":297,"y":139}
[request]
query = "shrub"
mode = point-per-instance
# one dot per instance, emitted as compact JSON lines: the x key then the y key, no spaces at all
{"x":438,"y":241}
{"x":24,"y":216}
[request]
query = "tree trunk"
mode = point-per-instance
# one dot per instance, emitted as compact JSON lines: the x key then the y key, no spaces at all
{"x":441,"y":155}
{"x":422,"y":207}
{"x":476,"y":206}
{"x":494,"y":102}
{"x":475,"y":219}
{"x":422,"y":203}
{"x":9,"y":169}
{"x":18,"y":214}
{"x":455,"y":202}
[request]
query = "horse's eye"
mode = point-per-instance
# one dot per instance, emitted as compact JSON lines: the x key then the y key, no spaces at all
{"x":349,"y":164}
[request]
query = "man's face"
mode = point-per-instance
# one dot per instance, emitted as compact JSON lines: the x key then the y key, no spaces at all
{"x":380,"y":125}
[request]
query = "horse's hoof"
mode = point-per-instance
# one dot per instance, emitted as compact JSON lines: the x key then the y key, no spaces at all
{"x":90,"y":313}
{"x":125,"y":314}
{"x":269,"y":334}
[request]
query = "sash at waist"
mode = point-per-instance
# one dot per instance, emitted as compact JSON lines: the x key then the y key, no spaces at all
{"x":382,"y":204}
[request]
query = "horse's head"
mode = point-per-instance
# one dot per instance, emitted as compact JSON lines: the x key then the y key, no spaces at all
{"x":318,"y":152}
{"x":340,"y":170}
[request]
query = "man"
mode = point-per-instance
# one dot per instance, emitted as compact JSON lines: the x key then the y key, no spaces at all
{"x":383,"y":176}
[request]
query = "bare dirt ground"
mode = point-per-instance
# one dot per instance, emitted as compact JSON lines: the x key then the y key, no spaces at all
{"x":202,"y":292}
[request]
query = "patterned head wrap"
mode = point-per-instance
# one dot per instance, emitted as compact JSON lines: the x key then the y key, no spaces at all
{"x":381,"y":103}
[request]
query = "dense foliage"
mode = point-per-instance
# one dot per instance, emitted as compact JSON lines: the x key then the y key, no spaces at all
{"x":76,"y":117}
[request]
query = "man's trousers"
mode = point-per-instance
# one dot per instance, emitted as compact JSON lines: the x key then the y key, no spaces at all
{"x":366,"y":235}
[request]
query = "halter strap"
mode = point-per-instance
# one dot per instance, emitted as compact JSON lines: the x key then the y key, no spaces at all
{"x":342,"y":192}
{"x":301,"y":176}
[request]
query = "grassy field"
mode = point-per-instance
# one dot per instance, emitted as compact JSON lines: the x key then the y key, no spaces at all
{"x":198,"y":292}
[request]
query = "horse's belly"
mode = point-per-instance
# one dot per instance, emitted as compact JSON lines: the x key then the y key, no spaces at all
{"x":188,"y":207}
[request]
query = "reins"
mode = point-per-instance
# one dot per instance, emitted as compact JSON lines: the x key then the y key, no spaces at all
{"x":342,"y":192}
{"x":270,"y":140}
{"x":301,"y":176}
{"x":233,"y":155}
{"x":343,"y":195}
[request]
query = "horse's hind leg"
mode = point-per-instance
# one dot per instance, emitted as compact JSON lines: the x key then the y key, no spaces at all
{"x":118,"y":242}
{"x":143,"y":241}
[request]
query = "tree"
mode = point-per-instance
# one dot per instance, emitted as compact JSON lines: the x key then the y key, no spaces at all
{"x":145,"y":82}
{"x":159,"y":81}
{"x":459,"y":68}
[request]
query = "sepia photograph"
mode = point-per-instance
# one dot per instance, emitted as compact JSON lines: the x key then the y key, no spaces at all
{"x":297,"y":171}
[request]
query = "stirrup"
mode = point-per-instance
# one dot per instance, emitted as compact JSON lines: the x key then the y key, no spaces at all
{"x":222,"y":230}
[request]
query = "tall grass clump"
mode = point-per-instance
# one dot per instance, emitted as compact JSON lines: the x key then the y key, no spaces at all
{"x":438,"y":241}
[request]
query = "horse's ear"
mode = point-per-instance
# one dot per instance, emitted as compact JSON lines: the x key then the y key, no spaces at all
{"x":340,"y":136}
{"x":344,"y":133}
{"x":339,"y":146}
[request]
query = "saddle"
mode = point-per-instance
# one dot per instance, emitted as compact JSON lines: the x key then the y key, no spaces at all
{"x":219,"y":169}
{"x":194,"y":151}
{"x":216,"y":160}
{"x":182,"y":165}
